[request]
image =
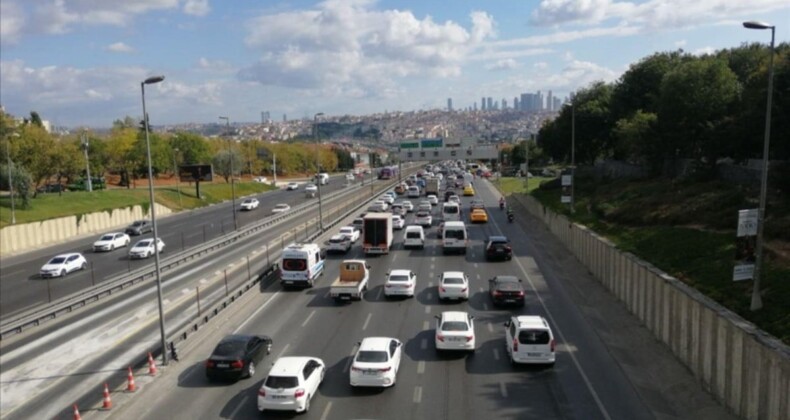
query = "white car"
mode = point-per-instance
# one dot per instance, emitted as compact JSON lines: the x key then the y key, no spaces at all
{"x":260,"y":179}
{"x":110,"y":241}
{"x":397,"y":209}
{"x":454,"y":199}
{"x":400,"y":283}
{"x":423,"y":218}
{"x":63,"y":264}
{"x":311,"y":188}
{"x":291,"y":384}
{"x":250,"y":204}
{"x":453,"y":285}
{"x":414,"y":237}
{"x":455,"y":330}
{"x":387,"y":199}
{"x":350,"y":232}
{"x":144,"y":248}
{"x":529,"y":339}
{"x":433,"y":199}
{"x":408,"y":206}
{"x":281,"y":208}
{"x":338,"y":243}
{"x":292,"y":186}
{"x":425,"y":207}
{"x":377,"y":362}
{"x":397,"y":221}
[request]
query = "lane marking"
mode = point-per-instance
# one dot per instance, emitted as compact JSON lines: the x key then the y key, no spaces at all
{"x":503,"y":389}
{"x":427,"y":309}
{"x":475,"y":264}
{"x":490,"y":326}
{"x":485,"y":306}
{"x":424,"y":343}
{"x":421,"y":367}
{"x":378,"y":294}
{"x":432,"y":267}
{"x":241,"y":404}
{"x":482,"y":290}
{"x":394,"y":257}
{"x":216,"y":273}
{"x":478,"y":276}
{"x":430,"y":284}
{"x":496,"y":354}
{"x":430,"y":274}
{"x":283,"y":350}
{"x":308,"y":318}
{"x":185,"y":291}
{"x":367,"y":320}
{"x":433,"y":259}
{"x":426,"y":325}
{"x":417,"y":394}
{"x":325,"y":415}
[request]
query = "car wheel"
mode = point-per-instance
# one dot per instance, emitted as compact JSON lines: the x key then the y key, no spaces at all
{"x":63,"y":273}
{"x":251,"y":369}
{"x":112,"y":247}
{"x":307,"y":404}
{"x":84,"y":266}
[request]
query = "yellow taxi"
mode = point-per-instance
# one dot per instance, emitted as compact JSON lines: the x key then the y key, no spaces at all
{"x":469,"y":191}
{"x":478,"y":216}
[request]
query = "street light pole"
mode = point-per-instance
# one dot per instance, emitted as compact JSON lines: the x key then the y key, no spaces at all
{"x":232,"y":177}
{"x":149,"y":81}
{"x":89,"y":182}
{"x":175,"y":171}
{"x":757,"y":300}
{"x":10,"y":177}
{"x":318,"y":169}
{"x":573,"y":152}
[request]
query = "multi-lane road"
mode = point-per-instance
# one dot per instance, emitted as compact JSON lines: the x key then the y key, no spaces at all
{"x":608,"y":366}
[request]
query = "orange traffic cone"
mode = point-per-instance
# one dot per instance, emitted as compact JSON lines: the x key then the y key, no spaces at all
{"x":77,"y":413}
{"x":151,"y":365}
{"x":132,"y":387}
{"x":107,"y":402}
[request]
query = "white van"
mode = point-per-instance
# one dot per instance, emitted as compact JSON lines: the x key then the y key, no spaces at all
{"x":414,"y":237}
{"x":413,"y":192}
{"x":451,"y":212}
{"x":322,"y":178}
{"x":301,"y":264}
{"x":529,"y":339}
{"x":454,"y":237}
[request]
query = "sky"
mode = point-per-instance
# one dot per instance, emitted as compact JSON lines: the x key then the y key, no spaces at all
{"x":81,"y":62}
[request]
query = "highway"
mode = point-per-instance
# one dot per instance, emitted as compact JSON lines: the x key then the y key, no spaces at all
{"x":608,"y":366}
{"x":22,"y":288}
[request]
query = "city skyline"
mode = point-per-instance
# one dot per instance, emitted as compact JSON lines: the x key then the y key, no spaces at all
{"x":78,"y":64}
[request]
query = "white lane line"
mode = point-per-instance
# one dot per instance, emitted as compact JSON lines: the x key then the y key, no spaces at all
{"x":417,"y":394}
{"x":496,"y":354}
{"x":482,"y":290}
{"x":421,"y":367}
{"x":241,"y":404}
{"x":430,"y":284}
{"x":427,"y":309}
{"x":378,"y":294}
{"x":428,"y":295}
{"x":308,"y":318}
{"x":502,"y":389}
{"x":350,"y":358}
{"x":424,"y":343}
{"x":394,"y":257}
{"x":432,"y":267}
{"x":430,"y":274}
{"x":475,"y":264}
{"x":426,"y":325}
{"x":285,"y":349}
{"x":216,"y":273}
{"x":433,"y":259}
{"x":367,"y":321}
{"x":185,"y":291}
{"x":478,"y":276}
{"x":231,"y":265}
{"x":203,"y":281}
{"x":325,"y":415}
{"x":485,"y":306}
{"x":490,"y":326}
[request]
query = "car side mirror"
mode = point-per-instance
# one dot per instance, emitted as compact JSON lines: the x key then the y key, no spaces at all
{"x":507,"y":324}
{"x":367,"y":266}
{"x":519,"y":280}
{"x":437,"y":317}
{"x":388,"y":273}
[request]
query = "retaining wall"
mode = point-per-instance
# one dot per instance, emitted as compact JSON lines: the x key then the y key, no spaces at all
{"x":28,"y":236}
{"x":746,"y":369}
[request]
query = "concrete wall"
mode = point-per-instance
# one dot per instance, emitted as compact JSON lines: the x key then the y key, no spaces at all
{"x":20,"y":238}
{"x":746,"y":369}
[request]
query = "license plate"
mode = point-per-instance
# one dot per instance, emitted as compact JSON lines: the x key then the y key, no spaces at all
{"x":289,"y":282}
{"x":534,"y":354}
{"x":345,"y":297}
{"x":510,"y":300}
{"x":278,"y":397}
{"x":223,"y":365}
{"x":500,"y":250}
{"x":370,"y":372}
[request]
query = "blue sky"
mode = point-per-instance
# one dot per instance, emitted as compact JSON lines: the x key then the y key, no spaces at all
{"x":80,"y":62}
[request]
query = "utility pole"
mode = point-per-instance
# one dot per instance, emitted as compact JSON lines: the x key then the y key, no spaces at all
{"x":89,"y":181}
{"x":232,"y":175}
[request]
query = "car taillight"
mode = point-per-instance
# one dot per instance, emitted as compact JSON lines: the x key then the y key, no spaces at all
{"x":521,"y":293}
{"x":507,"y":247}
{"x":238,"y":364}
{"x":442,"y":289}
{"x":261,"y":392}
{"x":299,"y":393}
{"x":553,"y":345}
{"x":515,"y":345}
{"x":497,"y":293}
{"x":440,"y":337}
{"x":464,"y":289}
{"x":469,"y":338}
{"x":386,"y":369}
{"x":355,"y":369}
{"x":209,"y":364}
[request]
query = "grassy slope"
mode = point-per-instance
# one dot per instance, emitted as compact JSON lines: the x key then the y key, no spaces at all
{"x":687,"y":230}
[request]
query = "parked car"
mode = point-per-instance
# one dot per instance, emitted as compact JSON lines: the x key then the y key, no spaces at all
{"x":292,"y":186}
{"x":291,"y":384}
{"x":498,"y":248}
{"x":139,"y":227}
{"x":281,"y":208}
{"x":506,"y":290}
{"x":455,"y":330}
{"x":350,"y":232}
{"x":235,"y":356}
{"x":111,"y":241}
{"x":63,"y":264}
{"x":400,"y":283}
{"x":453,"y":285}
{"x":376,"y":363}
{"x":144,"y":248}
{"x":250,"y":204}
{"x":529,"y":339}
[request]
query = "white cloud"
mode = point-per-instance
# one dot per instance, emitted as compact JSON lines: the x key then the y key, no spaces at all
{"x":506,"y":64}
{"x":345,"y":47}
{"x":704,"y":51}
{"x":680,"y":44}
{"x":196,"y":7}
{"x":12,"y":20}
{"x":119,"y":47}
{"x":204,"y":63}
{"x":541,"y":65}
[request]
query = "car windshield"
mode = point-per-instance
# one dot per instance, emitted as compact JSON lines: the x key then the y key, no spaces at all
{"x":369,"y":356}
{"x":450,"y":209}
{"x":412,"y":234}
{"x":533,"y":337}
{"x":143,"y":243}
{"x":346,"y":230}
{"x":337,"y":240}
{"x":285,"y":382}
{"x":229,"y":348}
{"x":57,"y":260}
{"x":398,"y":278}
{"x":455,"y":326}
{"x":453,"y":280}
{"x":138,"y":223}
{"x":421,"y":214}
{"x":107,"y":238}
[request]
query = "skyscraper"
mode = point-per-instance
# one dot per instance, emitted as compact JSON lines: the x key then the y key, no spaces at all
{"x":450,"y":104}
{"x":504,"y":104}
{"x":483,"y":103}
{"x":515,"y":103}
{"x":549,"y":102}
{"x":490,"y":103}
{"x":524,"y":104}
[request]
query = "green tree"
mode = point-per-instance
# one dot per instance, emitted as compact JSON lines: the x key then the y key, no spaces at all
{"x":193,"y":149}
{"x":119,"y":152}
{"x":222,"y":163}
{"x":637,"y":140}
{"x":640,"y":86}
{"x":344,"y":160}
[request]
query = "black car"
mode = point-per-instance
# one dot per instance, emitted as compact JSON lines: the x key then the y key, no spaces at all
{"x":498,"y":248}
{"x":506,"y":290}
{"x":139,"y":227}
{"x":447,"y":194}
{"x":236,"y":355}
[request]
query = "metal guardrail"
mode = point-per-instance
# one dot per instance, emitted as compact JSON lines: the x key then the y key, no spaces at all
{"x":36,"y":316}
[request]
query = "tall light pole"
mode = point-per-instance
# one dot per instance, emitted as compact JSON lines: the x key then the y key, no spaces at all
{"x":89,"y":181}
{"x":150,"y":81}
{"x":232,"y":177}
{"x":175,"y":171}
{"x":573,"y":152}
{"x":318,"y":169}
{"x":10,"y":177}
{"x":757,"y":300}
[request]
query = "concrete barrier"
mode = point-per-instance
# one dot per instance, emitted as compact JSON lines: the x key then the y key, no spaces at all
{"x":20,"y":238}
{"x":746,"y":369}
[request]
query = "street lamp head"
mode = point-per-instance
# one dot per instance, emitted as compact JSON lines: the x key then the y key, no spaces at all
{"x":153,"y":79}
{"x":753,"y":24}
{"x":320,"y":114}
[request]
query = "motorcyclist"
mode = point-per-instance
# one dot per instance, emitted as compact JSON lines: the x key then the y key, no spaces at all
{"x":510,"y":215}
{"x":501,"y":203}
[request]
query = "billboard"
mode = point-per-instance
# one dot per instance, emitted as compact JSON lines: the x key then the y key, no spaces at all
{"x":567,"y":183}
{"x":195,"y":173}
{"x":431,"y":143}
{"x":745,"y":244}
{"x":410,"y":145}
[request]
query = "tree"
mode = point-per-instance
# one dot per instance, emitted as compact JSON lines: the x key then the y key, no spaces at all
{"x":637,"y":140}
{"x":639,"y":87}
{"x":222,"y":163}
{"x":23,"y":183}
{"x":36,"y":151}
{"x":344,"y":160}
{"x":193,"y":149}
{"x":35,"y":119}
{"x":120,"y":155}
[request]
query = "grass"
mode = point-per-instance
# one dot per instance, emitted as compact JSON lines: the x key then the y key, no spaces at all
{"x":53,"y":205}
{"x":510,"y":185}
{"x":687,"y":230}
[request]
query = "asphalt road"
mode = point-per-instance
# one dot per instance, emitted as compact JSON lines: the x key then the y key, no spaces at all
{"x":591,"y":379}
{"x":22,"y":288}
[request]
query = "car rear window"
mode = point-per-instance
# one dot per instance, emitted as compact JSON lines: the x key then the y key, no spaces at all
{"x":533,"y":337}
{"x":413,"y":235}
{"x":229,"y":348}
{"x":399,"y":278}
{"x":284,"y":382}
{"x":453,"y":280}
{"x":454,"y":234}
{"x":294,"y":264}
{"x":455,"y":326}
{"x":368,"y":356}
{"x":450,"y":210}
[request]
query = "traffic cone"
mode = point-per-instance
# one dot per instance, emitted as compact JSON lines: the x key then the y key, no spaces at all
{"x":131,"y":387}
{"x":77,"y":413}
{"x":151,"y":365}
{"x":107,"y":403}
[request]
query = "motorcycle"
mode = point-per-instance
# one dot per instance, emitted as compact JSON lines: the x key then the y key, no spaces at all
{"x":510,"y":217}
{"x":501,"y":205}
